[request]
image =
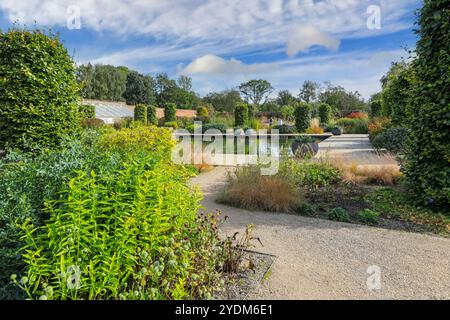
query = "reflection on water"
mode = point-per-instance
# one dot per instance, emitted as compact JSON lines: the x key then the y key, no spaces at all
{"x":282,"y":147}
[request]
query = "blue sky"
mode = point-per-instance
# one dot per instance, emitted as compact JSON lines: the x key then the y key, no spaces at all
{"x":221,"y":43}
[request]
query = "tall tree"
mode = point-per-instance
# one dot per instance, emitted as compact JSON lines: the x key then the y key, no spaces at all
{"x":397,"y":90}
{"x":224,"y":101}
{"x":185,"y":83}
{"x":256,"y":91}
{"x":102,"y":82}
{"x":165,"y":89}
{"x":341,"y":100}
{"x":285,"y":98}
{"x":308,"y":91}
{"x":140,"y":89}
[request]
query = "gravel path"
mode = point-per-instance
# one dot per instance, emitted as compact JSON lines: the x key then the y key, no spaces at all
{"x":320,"y":259}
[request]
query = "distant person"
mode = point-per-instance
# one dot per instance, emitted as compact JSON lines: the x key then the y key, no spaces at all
{"x":280,"y":122}
{"x":270,"y":121}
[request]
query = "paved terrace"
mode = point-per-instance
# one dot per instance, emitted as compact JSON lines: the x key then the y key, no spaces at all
{"x":353,"y":149}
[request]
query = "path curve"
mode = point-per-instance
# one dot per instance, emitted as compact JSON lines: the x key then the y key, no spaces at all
{"x":320,"y":259}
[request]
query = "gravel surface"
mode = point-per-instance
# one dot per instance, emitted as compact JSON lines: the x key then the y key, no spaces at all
{"x":320,"y":259}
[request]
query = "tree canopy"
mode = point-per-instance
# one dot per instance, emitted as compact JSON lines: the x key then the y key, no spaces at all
{"x":256,"y":91}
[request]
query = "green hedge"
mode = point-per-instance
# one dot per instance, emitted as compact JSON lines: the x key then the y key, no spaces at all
{"x":240,"y":115}
{"x":87,"y":111}
{"x":324,"y":113}
{"x":354,"y":126}
{"x":285,"y":129}
{"x":39,"y":94}
{"x":302,"y":117}
{"x":427,"y":166}
{"x":170,"y":112}
{"x":393,"y":140}
{"x":375,"y":108}
{"x":140,"y":113}
{"x":152,"y":118}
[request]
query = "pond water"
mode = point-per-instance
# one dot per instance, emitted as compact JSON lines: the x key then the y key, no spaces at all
{"x":240,"y":146}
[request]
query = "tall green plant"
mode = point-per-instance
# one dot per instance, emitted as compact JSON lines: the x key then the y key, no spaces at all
{"x":128,"y":234}
{"x":39,"y":93}
{"x":240,"y":115}
{"x":324,"y":113}
{"x":152,"y":118}
{"x":428,"y":149}
{"x":170,"y":112}
{"x":87,"y":111}
{"x":302,"y":116}
{"x":140,"y":113}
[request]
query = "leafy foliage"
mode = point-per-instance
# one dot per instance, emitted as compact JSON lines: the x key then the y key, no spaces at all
{"x":393,"y":203}
{"x":128,"y":234}
{"x":368,"y":216}
{"x":140,"y":89}
{"x":339,"y":214}
{"x":308,"y":91}
{"x":354,"y":126}
{"x":26,"y":180}
{"x":152,"y":119}
{"x":302,"y":116}
{"x":224,"y":101}
{"x":240,"y":115}
{"x":38,"y":91}
{"x":285,"y":129}
{"x":170,"y":112}
{"x":87,"y":111}
{"x":256,"y":91}
{"x":340,"y":99}
{"x":140,"y":113}
{"x":324,"y":113}
{"x":392,"y":139}
{"x":309,"y":175}
{"x":397,"y":93}
{"x":428,"y":148}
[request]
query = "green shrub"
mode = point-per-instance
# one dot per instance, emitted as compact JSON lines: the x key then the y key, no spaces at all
{"x":428,"y":148}
{"x":222,"y":128}
{"x":202,"y":112}
{"x":132,"y":233}
{"x":26,"y":180}
{"x":152,"y":119}
{"x":131,"y":140}
{"x":393,"y":140}
{"x":251,"y":112}
{"x":307,"y":210}
{"x":87,"y":111}
{"x":140,"y":113}
{"x":375,"y":108}
{"x":339,"y":214}
{"x":39,"y":94}
{"x":285,"y":129}
{"x":92,"y":123}
{"x":170,"y":112}
{"x":172,"y":124}
{"x":302,"y":117}
{"x":240,"y":115}
{"x":309,"y":174}
{"x":354,"y":126}
{"x":324,"y":113}
{"x":368,"y":216}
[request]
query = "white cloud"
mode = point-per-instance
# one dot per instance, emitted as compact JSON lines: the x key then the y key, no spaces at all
{"x":212,"y":64}
{"x":307,"y":36}
{"x":260,"y":23}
